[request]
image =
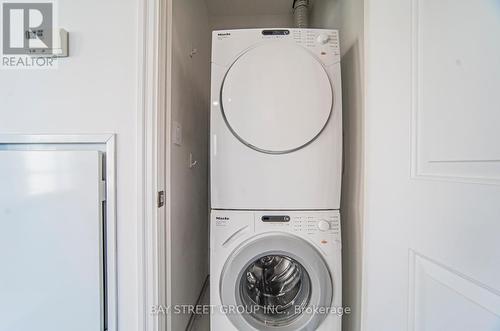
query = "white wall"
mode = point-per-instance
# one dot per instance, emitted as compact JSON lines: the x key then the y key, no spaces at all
{"x":251,"y":21}
{"x":348,"y":17}
{"x":189,"y":187}
{"x":92,"y":91}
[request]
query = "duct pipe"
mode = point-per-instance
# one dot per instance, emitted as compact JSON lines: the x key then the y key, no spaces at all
{"x":301,"y":13}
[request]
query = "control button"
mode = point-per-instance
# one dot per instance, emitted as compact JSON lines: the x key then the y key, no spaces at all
{"x":322,"y":39}
{"x":323,"y":226}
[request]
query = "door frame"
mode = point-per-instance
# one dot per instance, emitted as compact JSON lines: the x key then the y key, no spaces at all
{"x":101,"y":142}
{"x":153,"y":160}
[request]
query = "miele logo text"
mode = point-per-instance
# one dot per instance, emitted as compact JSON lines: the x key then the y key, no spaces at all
{"x":222,"y":218}
{"x":224,"y":34}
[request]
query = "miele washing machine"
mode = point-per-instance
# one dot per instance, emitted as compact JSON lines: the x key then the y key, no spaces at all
{"x":276,"y":270}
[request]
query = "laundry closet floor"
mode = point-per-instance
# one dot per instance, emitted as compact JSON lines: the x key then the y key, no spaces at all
{"x":202,"y":322}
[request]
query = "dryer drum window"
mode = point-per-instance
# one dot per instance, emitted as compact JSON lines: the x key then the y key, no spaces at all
{"x":275,"y":289}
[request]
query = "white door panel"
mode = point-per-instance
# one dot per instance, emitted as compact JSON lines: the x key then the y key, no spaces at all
{"x":51,"y":241}
{"x":455,"y":85}
{"x":442,"y":299}
{"x":458,"y":71}
{"x":432,"y":207}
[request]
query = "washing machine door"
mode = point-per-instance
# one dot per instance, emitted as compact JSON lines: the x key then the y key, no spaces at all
{"x":276,"y":97}
{"x":274,"y":282}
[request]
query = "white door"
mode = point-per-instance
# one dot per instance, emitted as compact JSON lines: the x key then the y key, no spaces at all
{"x":51,"y":248}
{"x":432,"y":208}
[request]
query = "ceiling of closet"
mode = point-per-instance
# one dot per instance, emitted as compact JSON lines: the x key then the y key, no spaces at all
{"x":249,"y":7}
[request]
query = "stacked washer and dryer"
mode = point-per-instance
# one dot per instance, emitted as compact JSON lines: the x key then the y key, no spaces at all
{"x":276,"y":163}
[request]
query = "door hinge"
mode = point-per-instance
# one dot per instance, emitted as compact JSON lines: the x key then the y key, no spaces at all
{"x":160,"y":201}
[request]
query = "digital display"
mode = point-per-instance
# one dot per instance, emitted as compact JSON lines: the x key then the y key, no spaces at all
{"x":275,"y":218}
{"x":276,"y":32}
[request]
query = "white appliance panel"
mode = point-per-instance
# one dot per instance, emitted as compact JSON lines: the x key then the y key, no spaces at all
{"x":310,"y":178}
{"x":51,"y":245}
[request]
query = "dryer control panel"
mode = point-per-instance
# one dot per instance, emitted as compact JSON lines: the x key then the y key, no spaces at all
{"x":228,"y":44}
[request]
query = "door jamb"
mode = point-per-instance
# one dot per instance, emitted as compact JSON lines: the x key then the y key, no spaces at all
{"x":153,"y":162}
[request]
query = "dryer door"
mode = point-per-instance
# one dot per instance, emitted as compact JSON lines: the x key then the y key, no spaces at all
{"x":276,"y":97}
{"x":273,"y":281}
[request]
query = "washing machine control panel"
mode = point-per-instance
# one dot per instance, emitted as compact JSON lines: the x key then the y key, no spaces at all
{"x":322,"y":227}
{"x":314,"y":224}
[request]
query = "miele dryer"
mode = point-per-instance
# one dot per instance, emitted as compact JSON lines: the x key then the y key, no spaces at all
{"x":276,"y":119}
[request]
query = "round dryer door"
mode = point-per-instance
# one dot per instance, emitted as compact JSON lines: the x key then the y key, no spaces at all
{"x":276,"y":97}
{"x":273,"y":280}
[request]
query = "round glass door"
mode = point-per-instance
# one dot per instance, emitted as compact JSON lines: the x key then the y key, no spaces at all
{"x":275,"y":289}
{"x":271,"y":280}
{"x":276,"y":97}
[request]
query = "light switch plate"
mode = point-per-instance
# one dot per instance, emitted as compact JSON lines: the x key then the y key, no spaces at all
{"x":177,"y":133}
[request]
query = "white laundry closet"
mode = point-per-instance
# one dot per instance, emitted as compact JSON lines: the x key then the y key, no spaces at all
{"x":192,"y":24}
